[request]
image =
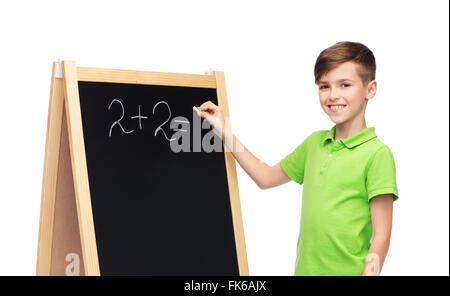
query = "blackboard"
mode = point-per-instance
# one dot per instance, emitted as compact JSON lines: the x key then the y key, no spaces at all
{"x":155,"y":211}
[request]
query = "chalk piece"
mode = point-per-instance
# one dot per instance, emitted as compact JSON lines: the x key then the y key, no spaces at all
{"x":195,"y":108}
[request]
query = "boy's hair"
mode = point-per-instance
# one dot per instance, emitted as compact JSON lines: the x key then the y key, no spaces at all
{"x":346,"y":51}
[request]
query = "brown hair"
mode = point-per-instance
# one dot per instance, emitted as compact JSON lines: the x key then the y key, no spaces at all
{"x":346,"y":51}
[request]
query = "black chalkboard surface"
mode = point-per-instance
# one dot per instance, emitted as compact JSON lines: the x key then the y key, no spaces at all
{"x":155,"y":211}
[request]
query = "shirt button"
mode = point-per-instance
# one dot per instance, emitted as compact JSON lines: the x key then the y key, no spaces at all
{"x":330,"y":155}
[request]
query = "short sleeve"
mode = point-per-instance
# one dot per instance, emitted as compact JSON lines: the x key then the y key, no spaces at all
{"x":294,"y":163}
{"x":381,"y":177}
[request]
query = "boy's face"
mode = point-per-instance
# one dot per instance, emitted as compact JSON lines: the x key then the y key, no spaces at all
{"x":342,"y":94}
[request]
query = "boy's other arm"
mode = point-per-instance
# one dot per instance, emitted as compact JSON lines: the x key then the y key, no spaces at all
{"x":263,"y":175}
{"x":381,"y":213}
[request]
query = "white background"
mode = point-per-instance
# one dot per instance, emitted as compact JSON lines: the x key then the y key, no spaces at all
{"x":267,"y":50}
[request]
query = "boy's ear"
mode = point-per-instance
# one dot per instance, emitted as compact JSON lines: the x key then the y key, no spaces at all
{"x":371,"y":89}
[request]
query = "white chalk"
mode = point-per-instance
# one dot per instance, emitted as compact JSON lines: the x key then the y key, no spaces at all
{"x":195,"y":108}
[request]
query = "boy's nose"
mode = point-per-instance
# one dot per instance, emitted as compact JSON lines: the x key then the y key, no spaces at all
{"x":333,"y":94}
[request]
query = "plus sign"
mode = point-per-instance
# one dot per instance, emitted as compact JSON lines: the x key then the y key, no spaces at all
{"x":139,"y":117}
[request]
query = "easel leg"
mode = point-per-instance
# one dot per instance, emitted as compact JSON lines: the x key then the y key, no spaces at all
{"x":58,"y":230}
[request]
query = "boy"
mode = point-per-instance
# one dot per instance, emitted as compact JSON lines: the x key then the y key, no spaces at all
{"x":348,"y":175}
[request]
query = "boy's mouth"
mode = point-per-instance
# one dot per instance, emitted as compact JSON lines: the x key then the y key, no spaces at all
{"x":336,"y":107}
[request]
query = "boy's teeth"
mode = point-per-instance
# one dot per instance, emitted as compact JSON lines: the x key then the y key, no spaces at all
{"x":337,"y":107}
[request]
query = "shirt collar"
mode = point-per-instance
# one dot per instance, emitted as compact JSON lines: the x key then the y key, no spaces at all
{"x":352,"y":141}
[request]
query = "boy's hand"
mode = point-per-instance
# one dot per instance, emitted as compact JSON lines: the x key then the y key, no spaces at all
{"x":214,"y":115}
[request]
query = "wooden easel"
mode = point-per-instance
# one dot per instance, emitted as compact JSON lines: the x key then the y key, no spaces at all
{"x":67,"y":244}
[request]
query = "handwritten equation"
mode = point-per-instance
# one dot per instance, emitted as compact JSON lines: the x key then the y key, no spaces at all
{"x":140,"y":117}
{"x":180,"y":125}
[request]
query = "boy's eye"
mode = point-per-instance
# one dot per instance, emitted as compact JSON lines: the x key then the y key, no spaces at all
{"x":326,"y":86}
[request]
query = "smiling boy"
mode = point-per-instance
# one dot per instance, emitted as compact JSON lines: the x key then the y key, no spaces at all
{"x":348,"y":174}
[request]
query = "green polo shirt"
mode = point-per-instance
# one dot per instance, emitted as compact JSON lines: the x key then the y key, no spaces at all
{"x":339,"y":178}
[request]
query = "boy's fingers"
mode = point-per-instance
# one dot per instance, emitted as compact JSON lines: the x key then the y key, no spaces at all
{"x":208,"y":111}
{"x":208,"y":105}
{"x":202,"y":114}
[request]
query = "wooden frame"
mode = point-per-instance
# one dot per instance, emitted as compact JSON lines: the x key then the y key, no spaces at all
{"x":65,"y":189}
{"x":49,"y":185}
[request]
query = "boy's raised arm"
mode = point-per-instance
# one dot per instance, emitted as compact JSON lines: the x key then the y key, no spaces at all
{"x":265,"y":176}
